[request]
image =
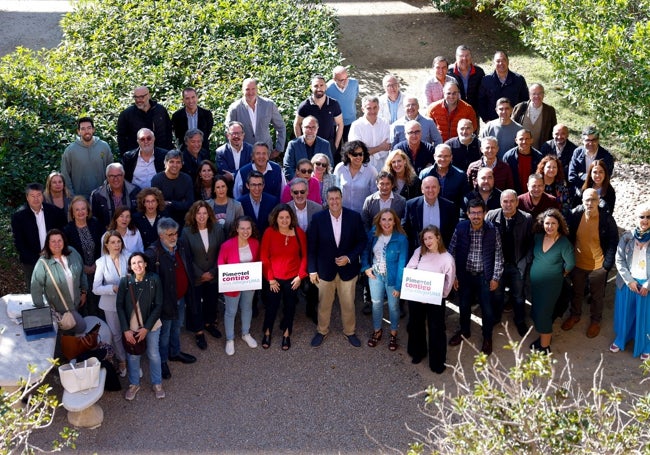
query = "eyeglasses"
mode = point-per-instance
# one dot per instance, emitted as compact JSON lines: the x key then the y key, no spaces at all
{"x":140,"y":97}
{"x":644,"y":217}
{"x":306,"y":171}
{"x":297,"y":192}
{"x":114,"y":176}
{"x":319,"y":164}
{"x":414,"y":132}
{"x":235,"y":133}
{"x":355,"y":154}
{"x":146,"y":138}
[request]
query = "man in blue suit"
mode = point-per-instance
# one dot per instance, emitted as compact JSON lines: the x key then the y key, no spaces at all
{"x":235,"y":153}
{"x":335,"y":240}
{"x":257,"y":204}
{"x":264,"y":112}
{"x":305,"y":146}
{"x":429,"y":209}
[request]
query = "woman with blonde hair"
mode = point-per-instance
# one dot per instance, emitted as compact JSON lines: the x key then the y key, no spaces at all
{"x":323,"y":173}
{"x":56,"y":192}
{"x":407,"y":183}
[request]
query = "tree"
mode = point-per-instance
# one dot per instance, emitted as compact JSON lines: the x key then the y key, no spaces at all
{"x":598,"y":49}
{"x":532,"y":407}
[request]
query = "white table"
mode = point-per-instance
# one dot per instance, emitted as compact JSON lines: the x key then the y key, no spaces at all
{"x":16,"y":353}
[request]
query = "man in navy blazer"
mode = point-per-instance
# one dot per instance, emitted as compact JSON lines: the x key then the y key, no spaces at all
{"x":28,"y":236}
{"x":265,"y":113}
{"x":440,"y":212}
{"x":192,"y":114}
{"x":257,"y":204}
{"x":305,"y":146}
{"x":452,"y":180}
{"x":235,"y":153}
{"x":335,"y":240}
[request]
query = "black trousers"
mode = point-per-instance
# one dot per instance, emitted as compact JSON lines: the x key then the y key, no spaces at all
{"x":423,"y":316}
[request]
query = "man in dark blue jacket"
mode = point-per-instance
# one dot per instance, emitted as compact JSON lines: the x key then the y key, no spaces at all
{"x":335,"y":240}
{"x":476,"y":246}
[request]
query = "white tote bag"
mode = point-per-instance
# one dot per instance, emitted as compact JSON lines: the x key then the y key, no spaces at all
{"x":82,"y":376}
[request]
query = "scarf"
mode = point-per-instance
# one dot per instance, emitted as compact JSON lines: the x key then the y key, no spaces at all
{"x":641,"y":236}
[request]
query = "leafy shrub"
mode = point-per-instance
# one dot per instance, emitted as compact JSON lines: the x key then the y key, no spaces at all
{"x":454,"y":8}
{"x":109,"y":47}
{"x":532,"y":407}
{"x":30,"y":407}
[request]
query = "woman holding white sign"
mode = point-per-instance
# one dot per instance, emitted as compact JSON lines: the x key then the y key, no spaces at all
{"x":431,"y":256}
{"x":284,"y":262}
{"x":383,"y":261}
{"x":244,"y":247}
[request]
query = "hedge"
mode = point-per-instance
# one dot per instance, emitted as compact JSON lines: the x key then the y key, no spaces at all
{"x":109,"y":47}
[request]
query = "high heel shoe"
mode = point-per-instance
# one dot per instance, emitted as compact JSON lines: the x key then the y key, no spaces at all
{"x":286,"y":343}
{"x":266,"y":341}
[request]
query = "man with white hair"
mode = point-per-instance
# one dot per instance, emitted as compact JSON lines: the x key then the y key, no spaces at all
{"x":593,"y":232}
{"x":391,"y":104}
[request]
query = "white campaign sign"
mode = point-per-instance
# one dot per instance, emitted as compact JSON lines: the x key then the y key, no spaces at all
{"x":422,"y":286}
{"x":246,"y":276}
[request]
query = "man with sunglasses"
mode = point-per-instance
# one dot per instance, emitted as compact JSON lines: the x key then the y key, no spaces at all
{"x":305,"y":146}
{"x":304,"y":171}
{"x":145,"y":161}
{"x":304,"y":208}
{"x":143,"y":113}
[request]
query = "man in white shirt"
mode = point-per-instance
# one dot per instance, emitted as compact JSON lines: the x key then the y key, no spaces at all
{"x":372,"y":131}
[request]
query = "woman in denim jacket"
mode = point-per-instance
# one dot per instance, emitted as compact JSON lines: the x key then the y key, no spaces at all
{"x":383,"y":261}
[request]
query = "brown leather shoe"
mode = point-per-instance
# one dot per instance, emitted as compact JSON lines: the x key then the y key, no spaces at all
{"x":593,"y":330}
{"x":570,"y":322}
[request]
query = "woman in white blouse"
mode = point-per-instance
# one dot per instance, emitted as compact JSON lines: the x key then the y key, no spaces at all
{"x":109,"y":268}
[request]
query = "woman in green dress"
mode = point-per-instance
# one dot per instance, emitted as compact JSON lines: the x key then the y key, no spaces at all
{"x":552,"y":260}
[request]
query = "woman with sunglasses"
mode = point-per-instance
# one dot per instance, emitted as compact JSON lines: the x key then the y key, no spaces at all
{"x":357,"y":179}
{"x":304,"y":170}
{"x":323,"y":174}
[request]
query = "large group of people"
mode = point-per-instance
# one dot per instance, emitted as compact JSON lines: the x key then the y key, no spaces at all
{"x":505,"y":212}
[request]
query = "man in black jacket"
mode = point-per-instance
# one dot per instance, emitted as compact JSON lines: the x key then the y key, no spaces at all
{"x":192,"y":116}
{"x":594,"y":234}
{"x":144,"y":113}
{"x":173,"y":263}
{"x":29,"y":225}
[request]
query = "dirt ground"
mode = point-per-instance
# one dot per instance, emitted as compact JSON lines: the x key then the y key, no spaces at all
{"x":379,"y":37}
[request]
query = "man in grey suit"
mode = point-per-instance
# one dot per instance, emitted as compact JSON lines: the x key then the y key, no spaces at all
{"x":256,"y":113}
{"x":304,"y":210}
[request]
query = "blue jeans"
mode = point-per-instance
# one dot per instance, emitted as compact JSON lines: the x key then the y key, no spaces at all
{"x":468,"y":288}
{"x":153,"y":354}
{"x":512,"y":279}
{"x":244,"y":301}
{"x":378,"y":288}
{"x":170,"y":334}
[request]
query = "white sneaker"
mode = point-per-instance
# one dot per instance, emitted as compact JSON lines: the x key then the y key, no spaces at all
{"x":250,"y":341}
{"x":141,"y":373}
{"x":230,"y":347}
